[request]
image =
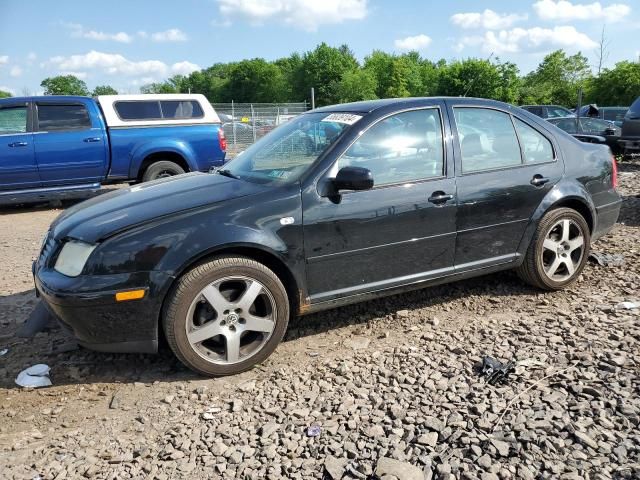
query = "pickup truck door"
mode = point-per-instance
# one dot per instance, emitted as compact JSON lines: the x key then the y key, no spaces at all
{"x":70,"y":143}
{"x":18,"y":168}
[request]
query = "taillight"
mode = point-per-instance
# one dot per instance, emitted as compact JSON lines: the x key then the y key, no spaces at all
{"x":222,"y":141}
{"x":614,"y":172}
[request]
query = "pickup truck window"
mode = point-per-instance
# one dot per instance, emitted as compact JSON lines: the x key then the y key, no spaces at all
{"x":181,"y":109}
{"x":158,"y":110}
{"x":55,"y":117}
{"x":13,"y":120}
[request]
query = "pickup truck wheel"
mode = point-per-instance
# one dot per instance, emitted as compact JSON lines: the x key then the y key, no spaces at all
{"x":226,"y":315}
{"x":161,"y":169}
{"x":558,"y":251}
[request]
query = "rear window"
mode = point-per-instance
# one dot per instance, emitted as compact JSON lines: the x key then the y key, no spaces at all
{"x":614,"y":114}
{"x":158,"y":110}
{"x":53,"y":117}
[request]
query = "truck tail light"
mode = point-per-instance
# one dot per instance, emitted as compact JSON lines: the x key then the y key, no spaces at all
{"x":614,"y":172}
{"x":222,"y":141}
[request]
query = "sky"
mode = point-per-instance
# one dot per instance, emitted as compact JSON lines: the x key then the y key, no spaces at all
{"x":127,"y":44}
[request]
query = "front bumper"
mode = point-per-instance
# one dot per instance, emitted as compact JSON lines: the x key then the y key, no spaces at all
{"x":86,"y":305}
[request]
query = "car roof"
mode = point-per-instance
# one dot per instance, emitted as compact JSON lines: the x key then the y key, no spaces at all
{"x":368,"y":106}
{"x":53,"y":98}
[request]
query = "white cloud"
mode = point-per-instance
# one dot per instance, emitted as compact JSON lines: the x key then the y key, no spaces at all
{"x":304,"y":14}
{"x":184,"y":68}
{"x":487,"y":19}
{"x":79,"y":31}
{"x":417,"y":42}
{"x":528,"y":40}
{"x":80,"y":75}
{"x":4,"y":59}
{"x":563,"y":10}
{"x":15,"y":71}
{"x":171,"y":35}
{"x":32,"y":57}
{"x":116,"y":64}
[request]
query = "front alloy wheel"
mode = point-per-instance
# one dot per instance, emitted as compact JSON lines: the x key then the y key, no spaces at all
{"x":558,"y":251}
{"x":226,"y":315}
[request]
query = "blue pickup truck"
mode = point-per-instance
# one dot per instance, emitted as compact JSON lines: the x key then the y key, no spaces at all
{"x":55,"y":147}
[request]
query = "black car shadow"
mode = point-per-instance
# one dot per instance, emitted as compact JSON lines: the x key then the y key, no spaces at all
{"x":72,"y":365}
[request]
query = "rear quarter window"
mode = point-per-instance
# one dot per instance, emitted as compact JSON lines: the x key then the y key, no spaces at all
{"x":634,"y":109}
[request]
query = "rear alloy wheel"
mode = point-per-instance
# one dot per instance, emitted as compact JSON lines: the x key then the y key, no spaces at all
{"x":226,"y":315}
{"x":161,"y":169}
{"x":558,"y":251}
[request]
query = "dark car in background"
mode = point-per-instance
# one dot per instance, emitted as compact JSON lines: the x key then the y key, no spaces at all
{"x":613,"y":114}
{"x":338,"y":205}
{"x":586,"y":127}
{"x":548,"y":111}
{"x":630,"y":141}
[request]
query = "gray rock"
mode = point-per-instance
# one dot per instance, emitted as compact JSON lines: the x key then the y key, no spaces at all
{"x":335,"y":467}
{"x":398,"y":469}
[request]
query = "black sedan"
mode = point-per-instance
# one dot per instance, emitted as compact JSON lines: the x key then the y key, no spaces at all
{"x":339,"y":205}
{"x":589,"y":126}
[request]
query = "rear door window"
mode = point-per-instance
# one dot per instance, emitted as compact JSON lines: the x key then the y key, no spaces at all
{"x":634,"y":109}
{"x":139,"y":110}
{"x":13,"y":120}
{"x":535,"y":110}
{"x":59,"y":117}
{"x":181,"y":109}
{"x":553,"y":112}
{"x":487,"y":139}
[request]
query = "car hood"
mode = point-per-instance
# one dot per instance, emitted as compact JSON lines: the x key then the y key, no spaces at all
{"x":110,"y":213}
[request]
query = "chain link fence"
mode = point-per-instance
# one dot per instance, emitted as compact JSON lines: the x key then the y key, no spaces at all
{"x":244,"y":123}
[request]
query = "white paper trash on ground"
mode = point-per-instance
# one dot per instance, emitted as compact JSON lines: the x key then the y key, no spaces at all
{"x":35,"y":376}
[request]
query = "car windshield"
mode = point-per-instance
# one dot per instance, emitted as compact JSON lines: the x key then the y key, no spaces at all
{"x":286,"y":153}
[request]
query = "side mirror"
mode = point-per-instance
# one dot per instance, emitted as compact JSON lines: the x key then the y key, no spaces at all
{"x":353,"y":178}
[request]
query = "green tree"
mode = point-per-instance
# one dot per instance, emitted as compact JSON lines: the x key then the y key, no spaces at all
{"x":4,"y":94}
{"x":357,"y":85}
{"x":64,"y":85}
{"x":171,"y":85}
{"x":256,"y":81}
{"x":557,"y":79}
{"x":291,"y":68}
{"x":617,"y":86}
{"x":379,"y":65}
{"x":103,"y":90}
{"x":323,"y":69}
{"x":471,"y":77}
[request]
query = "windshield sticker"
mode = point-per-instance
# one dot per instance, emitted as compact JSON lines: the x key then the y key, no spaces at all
{"x":279,"y":174}
{"x":348,"y":118}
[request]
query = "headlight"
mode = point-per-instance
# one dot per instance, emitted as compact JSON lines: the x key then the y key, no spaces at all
{"x":73,"y":257}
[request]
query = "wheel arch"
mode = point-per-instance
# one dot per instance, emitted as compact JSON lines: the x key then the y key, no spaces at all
{"x":567,"y":195}
{"x":297,"y":297}
{"x":154,"y":157}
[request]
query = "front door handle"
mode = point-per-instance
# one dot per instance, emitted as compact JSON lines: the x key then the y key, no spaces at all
{"x":440,"y":197}
{"x":539,"y":180}
{"x":93,"y":139}
{"x":18,"y":144}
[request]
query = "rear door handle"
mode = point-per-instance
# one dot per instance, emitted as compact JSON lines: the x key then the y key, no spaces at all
{"x":18,"y":144}
{"x":539,"y":180}
{"x":440,"y":197}
{"x":93,"y":139}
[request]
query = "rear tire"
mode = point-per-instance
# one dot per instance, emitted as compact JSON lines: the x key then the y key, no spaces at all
{"x":558,"y":251}
{"x":161,"y":169}
{"x":226,"y":315}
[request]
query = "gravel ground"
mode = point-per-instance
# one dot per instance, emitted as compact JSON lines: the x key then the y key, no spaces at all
{"x":390,"y":384}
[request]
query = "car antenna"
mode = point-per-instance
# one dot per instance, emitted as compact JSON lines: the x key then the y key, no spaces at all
{"x":474,"y":80}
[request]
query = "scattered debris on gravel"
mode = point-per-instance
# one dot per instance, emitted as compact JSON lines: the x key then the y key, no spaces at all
{"x":384,"y":389}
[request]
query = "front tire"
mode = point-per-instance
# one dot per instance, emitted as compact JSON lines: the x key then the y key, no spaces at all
{"x":226,"y":315}
{"x":161,"y":169}
{"x":558,"y":251}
